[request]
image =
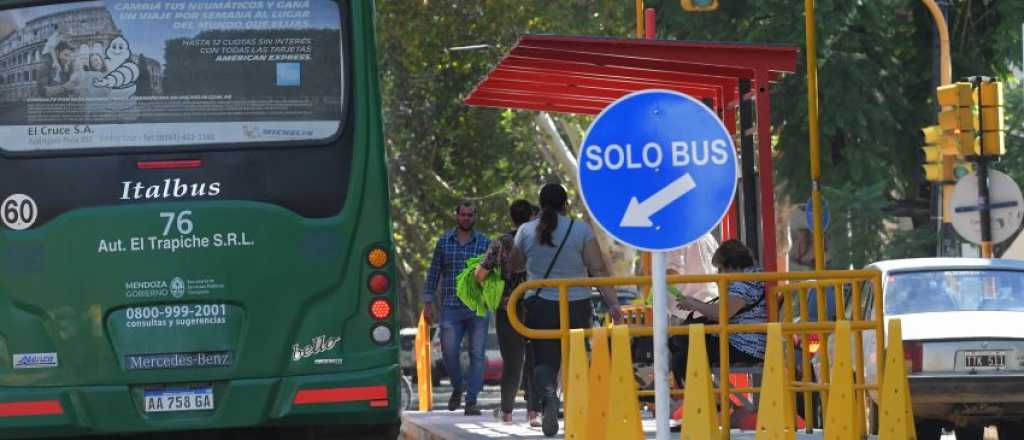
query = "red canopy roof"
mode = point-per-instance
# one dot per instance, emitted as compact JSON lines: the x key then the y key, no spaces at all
{"x":585,"y":74}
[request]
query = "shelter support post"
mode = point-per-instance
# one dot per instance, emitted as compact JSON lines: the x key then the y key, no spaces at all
{"x":749,"y":198}
{"x":766,"y":170}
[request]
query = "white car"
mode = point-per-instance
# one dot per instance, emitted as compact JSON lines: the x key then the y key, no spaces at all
{"x":963,"y":338}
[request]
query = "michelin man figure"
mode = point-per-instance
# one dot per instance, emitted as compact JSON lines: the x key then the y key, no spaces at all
{"x":124,"y":72}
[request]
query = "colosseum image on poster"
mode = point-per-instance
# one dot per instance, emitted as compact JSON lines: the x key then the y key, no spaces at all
{"x":141,"y":73}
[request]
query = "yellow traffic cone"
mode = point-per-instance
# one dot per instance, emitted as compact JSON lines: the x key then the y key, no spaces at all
{"x":775,"y":407}
{"x":624,"y":409}
{"x":600,"y":362}
{"x":841,"y":417}
{"x":700,"y":416}
{"x":895,"y":415}
{"x":576,"y":391}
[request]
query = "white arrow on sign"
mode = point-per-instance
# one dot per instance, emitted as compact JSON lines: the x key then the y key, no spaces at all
{"x":638,"y":214}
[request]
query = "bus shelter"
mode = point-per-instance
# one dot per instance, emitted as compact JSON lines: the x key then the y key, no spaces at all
{"x":583,"y":75}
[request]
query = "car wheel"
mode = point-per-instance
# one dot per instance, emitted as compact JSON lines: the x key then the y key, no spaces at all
{"x":928,"y":430}
{"x":970,"y":433}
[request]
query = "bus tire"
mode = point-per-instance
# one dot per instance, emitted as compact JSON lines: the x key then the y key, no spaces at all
{"x":389,"y":431}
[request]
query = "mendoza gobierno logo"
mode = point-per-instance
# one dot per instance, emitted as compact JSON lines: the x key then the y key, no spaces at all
{"x":177,"y":287}
{"x":155,"y":288}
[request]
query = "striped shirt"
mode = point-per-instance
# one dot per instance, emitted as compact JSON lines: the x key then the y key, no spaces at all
{"x":751,"y":292}
{"x":449,"y":260}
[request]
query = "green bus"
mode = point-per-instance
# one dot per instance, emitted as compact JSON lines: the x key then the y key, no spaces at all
{"x":195,"y":219}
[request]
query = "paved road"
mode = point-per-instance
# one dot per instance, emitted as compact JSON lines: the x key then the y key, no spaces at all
{"x":484,"y":426}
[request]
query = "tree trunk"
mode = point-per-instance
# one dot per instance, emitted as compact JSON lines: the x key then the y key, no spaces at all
{"x":617,"y":258}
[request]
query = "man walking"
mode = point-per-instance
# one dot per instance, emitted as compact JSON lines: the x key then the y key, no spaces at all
{"x":453,"y":248}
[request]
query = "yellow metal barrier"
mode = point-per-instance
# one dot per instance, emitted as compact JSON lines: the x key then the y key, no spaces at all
{"x":798,"y":286}
{"x":840,"y":291}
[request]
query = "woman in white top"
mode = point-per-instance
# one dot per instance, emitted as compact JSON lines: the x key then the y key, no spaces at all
{"x":693,"y":259}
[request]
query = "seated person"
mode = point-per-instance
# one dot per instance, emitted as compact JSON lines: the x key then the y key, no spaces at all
{"x":746,"y":305}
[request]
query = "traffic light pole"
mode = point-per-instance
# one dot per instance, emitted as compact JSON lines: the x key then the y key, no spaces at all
{"x":981,"y":162}
{"x":986,"y":208}
{"x":938,"y":11}
{"x":945,"y":244}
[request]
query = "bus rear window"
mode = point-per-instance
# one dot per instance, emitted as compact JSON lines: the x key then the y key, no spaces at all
{"x":141,"y":73}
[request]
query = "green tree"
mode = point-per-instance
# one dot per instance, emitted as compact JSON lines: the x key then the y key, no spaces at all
{"x":441,"y":150}
{"x":875,"y":70}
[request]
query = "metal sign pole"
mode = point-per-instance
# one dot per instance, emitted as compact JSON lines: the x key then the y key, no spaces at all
{"x":984,"y":201}
{"x":661,"y":355}
{"x":637,"y":192}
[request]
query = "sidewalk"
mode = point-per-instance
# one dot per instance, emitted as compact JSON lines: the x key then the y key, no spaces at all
{"x":444,"y":425}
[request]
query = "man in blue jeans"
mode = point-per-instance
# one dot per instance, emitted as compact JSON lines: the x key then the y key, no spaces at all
{"x":450,"y":254}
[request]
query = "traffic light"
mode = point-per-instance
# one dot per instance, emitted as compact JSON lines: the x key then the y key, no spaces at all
{"x":699,"y":5}
{"x":992,"y":125}
{"x":957,"y":119}
{"x":938,"y":164}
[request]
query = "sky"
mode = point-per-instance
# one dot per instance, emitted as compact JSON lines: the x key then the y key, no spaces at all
{"x":324,"y":15}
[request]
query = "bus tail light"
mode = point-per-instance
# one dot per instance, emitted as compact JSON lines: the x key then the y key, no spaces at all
{"x":381,"y":334}
{"x":379,"y":282}
{"x":314,"y":396}
{"x":380,"y":309}
{"x":31,"y":408}
{"x":377,"y":257}
{"x":168,"y":164}
{"x":913,"y":353}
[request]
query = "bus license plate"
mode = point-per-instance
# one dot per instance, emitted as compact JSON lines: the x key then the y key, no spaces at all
{"x":985,"y":359}
{"x":192,"y":399}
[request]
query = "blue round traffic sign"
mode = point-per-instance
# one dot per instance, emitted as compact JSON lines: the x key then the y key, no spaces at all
{"x":657,"y":169}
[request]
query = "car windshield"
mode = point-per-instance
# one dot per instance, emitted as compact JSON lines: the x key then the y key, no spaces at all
{"x":954,"y":290}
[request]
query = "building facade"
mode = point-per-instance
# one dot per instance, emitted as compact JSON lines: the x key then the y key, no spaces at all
{"x":86,"y":30}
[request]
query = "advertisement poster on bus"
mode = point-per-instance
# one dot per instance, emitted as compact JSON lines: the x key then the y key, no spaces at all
{"x":134,"y":73}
